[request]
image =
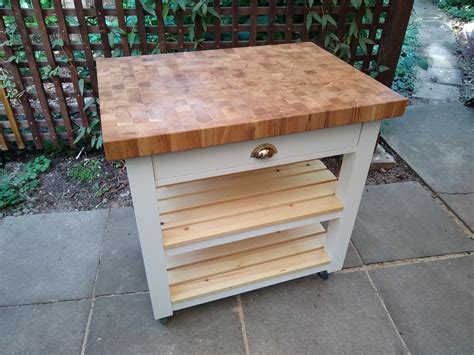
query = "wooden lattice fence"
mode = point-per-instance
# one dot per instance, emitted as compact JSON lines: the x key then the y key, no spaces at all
{"x":49,"y":47}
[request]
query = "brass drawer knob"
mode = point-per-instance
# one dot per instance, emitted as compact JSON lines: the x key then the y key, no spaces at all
{"x":264,"y":151}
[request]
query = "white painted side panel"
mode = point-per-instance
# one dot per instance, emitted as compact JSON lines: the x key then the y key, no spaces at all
{"x":350,"y":187}
{"x":142,"y":185}
{"x":194,"y":164}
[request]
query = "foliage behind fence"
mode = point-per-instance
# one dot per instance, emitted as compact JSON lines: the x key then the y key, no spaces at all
{"x":49,"y":47}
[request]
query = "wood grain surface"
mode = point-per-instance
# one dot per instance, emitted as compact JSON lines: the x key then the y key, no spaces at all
{"x":172,"y":102}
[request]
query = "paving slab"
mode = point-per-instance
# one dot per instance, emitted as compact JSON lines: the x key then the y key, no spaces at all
{"x":429,"y":90}
{"x":125,"y":325}
{"x":53,"y":328}
{"x":352,"y":259}
{"x":402,"y":221}
{"x":436,"y":141}
{"x":50,"y":256}
{"x":432,"y":304}
{"x":441,"y":76}
{"x":310,"y":316}
{"x":121,"y":264}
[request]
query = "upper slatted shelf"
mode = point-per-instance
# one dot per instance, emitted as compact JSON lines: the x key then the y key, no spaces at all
{"x":201,"y":210}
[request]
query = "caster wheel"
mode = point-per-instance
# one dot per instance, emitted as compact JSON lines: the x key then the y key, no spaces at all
{"x":163,"y":320}
{"x":324,"y":275}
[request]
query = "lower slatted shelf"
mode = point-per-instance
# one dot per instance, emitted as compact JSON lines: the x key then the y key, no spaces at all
{"x":221,"y":268}
{"x":206,"y":209}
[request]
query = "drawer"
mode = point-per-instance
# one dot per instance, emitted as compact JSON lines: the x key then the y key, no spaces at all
{"x":171,"y":168}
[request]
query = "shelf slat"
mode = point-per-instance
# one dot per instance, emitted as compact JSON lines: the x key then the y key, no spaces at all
{"x":247,"y":204}
{"x":245,"y":259}
{"x":219,"y":251}
{"x":238,"y":190}
{"x":240,"y":277}
{"x":246,"y":177}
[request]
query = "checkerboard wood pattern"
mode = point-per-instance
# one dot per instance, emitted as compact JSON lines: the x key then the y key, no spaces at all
{"x":172,"y":102}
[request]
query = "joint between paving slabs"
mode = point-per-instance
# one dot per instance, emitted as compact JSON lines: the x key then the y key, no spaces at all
{"x":384,"y":306}
{"x":92,"y":300}
{"x":403,"y":262}
{"x":240,"y":313}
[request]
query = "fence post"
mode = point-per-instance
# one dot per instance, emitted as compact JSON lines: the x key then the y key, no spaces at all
{"x":396,"y":24}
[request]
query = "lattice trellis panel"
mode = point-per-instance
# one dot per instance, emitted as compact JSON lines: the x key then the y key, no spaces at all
{"x":48,"y":52}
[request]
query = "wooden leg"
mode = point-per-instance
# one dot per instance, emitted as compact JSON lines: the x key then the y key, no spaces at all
{"x":142,"y":184}
{"x":352,"y":178}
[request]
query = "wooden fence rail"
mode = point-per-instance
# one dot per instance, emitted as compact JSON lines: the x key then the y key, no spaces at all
{"x":48,"y":54}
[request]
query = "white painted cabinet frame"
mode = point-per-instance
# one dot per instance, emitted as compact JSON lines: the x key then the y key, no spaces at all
{"x":355,"y":142}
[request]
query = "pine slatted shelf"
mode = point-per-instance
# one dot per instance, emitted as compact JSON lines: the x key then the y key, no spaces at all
{"x":223,"y":152}
{"x":217,"y":207}
{"x":246,"y":262}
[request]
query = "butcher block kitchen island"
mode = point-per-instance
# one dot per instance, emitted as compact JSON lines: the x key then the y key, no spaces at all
{"x":222,"y":149}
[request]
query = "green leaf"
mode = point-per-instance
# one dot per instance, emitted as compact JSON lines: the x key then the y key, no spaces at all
{"x":131,"y":38}
{"x":422,"y":63}
{"x":80,"y":134}
{"x":316,"y":17}
{"x":383,"y":68}
{"x":353,"y":30}
{"x":182,"y":4}
{"x":334,"y":37}
{"x":213,"y":12}
{"x":149,"y":6}
{"x":363,"y":45}
{"x":310,"y":3}
{"x":111,"y":38}
{"x":324,"y":21}
{"x":191,"y":32}
{"x":81,"y":86}
{"x":98,"y":144}
{"x":197,"y":6}
{"x":204,"y":9}
{"x":356,"y":3}
{"x":369,"y":14}
{"x":327,"y":40}
{"x":309,"y":21}
{"x":94,"y":123}
{"x":89,"y":102}
{"x":58,"y":42}
{"x":331,"y":20}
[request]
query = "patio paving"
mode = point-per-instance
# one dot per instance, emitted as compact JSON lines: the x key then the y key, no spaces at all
{"x":125,"y":325}
{"x":388,"y":225}
{"x":342,"y":315}
{"x":52,"y":328}
{"x":50,"y":257}
{"x":432,"y":304}
{"x":436,"y":141}
{"x":306,"y":316}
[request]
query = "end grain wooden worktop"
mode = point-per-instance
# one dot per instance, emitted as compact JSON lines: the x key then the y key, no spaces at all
{"x":172,"y":102}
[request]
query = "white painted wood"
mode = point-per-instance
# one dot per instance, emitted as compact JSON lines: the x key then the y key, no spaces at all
{"x":172,"y":168}
{"x":356,"y":142}
{"x":249,"y":287}
{"x":349,"y":190}
{"x":142,"y":185}
{"x":251,"y":233}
